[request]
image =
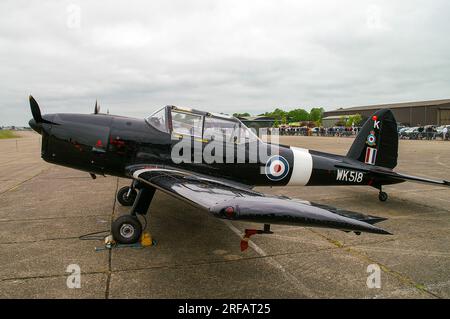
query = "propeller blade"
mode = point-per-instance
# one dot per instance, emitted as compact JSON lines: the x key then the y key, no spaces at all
{"x":37,"y":116}
{"x":35,"y":110}
{"x":96,"y":108}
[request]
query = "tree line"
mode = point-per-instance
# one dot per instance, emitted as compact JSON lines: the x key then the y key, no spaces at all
{"x":295,"y":115}
{"x":301,"y":115}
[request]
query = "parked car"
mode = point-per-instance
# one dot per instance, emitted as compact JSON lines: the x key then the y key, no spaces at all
{"x":429,"y":132}
{"x":400,"y":126}
{"x":407,"y":133}
{"x":417,"y":133}
{"x":402,"y":132}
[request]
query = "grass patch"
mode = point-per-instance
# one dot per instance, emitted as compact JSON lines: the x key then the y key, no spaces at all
{"x":7,"y":134}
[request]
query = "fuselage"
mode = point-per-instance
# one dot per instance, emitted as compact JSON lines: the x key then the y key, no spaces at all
{"x":108,"y":145}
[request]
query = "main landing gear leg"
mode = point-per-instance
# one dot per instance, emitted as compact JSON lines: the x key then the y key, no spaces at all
{"x":382,"y":196}
{"x":127,"y":229}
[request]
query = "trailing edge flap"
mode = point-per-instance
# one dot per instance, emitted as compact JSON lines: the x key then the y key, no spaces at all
{"x":392,"y":174}
{"x":229,"y":202}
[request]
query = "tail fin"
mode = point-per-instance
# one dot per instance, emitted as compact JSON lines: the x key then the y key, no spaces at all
{"x":377,"y":142}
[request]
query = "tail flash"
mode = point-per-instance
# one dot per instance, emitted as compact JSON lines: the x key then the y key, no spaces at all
{"x":377,"y":142}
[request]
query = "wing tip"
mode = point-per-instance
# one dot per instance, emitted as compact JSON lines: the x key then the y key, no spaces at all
{"x":378,"y":230}
{"x":374,"y":219}
{"x":385,"y":232}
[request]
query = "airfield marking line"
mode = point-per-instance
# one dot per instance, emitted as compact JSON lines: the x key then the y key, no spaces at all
{"x":438,"y":160}
{"x":7,"y":162}
{"x":429,"y":286}
{"x":421,"y":190}
{"x":439,"y":284}
{"x":49,"y":276}
{"x":271,"y":261}
{"x":24,"y":181}
{"x":423,"y":217}
{"x":361,"y":255}
{"x":203,"y":262}
{"x":71,"y":177}
{"x":38,"y":241}
{"x":24,"y":220}
{"x":31,"y":258}
{"x":444,"y":200}
{"x":158,"y":267}
{"x":423,"y":205}
{"x":443,"y":210}
{"x":294,"y":239}
{"x":213,"y":262}
{"x":361,"y":192}
{"x":109,"y":271}
{"x":410,"y":252}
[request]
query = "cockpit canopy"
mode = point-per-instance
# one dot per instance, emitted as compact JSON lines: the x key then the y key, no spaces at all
{"x":182,"y":122}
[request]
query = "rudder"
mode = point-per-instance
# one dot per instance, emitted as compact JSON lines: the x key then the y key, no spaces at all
{"x":377,"y":142}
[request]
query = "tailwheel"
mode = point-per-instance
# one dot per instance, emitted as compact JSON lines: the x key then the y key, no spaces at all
{"x":126,"y":229}
{"x":126,"y":196}
{"x":382,"y":196}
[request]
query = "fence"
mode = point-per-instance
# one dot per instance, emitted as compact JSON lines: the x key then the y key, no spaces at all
{"x":352,"y":132}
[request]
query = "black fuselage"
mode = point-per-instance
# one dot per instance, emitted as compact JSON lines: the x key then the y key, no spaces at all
{"x":109,"y":145}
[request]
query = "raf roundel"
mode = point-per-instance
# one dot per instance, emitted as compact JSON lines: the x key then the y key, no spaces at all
{"x":277,"y":168}
{"x":371,"y":139}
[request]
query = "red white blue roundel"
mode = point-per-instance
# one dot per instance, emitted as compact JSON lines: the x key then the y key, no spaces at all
{"x":371,"y":139}
{"x":277,"y":168}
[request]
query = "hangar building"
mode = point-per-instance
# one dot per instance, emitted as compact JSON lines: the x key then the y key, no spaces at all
{"x":436,"y":112}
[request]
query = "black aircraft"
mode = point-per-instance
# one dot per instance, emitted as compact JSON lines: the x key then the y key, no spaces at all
{"x":162,"y":152}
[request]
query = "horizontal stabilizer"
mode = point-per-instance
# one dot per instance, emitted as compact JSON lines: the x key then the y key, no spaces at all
{"x":391,"y":174}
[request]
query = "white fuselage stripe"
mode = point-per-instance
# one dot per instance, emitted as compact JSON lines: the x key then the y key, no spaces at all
{"x":303,"y":164}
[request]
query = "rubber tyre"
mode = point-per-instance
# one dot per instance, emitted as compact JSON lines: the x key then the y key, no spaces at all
{"x":122,"y":196}
{"x":126,"y":229}
{"x":383,"y":196}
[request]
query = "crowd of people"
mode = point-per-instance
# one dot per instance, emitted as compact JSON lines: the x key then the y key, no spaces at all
{"x":413,"y":133}
{"x":319,"y":131}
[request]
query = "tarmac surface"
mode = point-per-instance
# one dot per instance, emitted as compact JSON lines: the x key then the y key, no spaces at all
{"x":45,"y":208}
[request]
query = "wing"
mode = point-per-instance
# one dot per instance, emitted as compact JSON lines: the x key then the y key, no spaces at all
{"x":230,"y":201}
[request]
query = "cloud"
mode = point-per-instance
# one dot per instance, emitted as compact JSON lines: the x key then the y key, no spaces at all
{"x":135,"y":57}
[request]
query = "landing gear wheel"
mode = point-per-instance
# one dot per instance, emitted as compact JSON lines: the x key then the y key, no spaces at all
{"x":125,"y":199}
{"x":126,"y":229}
{"x":383,"y":196}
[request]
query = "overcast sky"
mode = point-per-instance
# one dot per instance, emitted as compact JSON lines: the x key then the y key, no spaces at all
{"x":224,"y":56}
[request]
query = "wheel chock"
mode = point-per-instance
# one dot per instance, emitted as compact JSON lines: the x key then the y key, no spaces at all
{"x":146,"y":239}
{"x":110,"y":243}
